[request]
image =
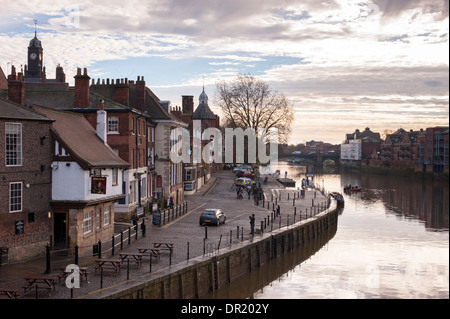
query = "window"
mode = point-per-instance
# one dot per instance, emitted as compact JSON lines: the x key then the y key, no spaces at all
{"x":115,"y":176}
{"x":107,"y":215}
{"x":13,"y":144}
{"x":98,"y":214}
{"x":189,"y":175}
{"x":15,"y":197}
{"x":113,"y":124}
{"x":87,"y":222}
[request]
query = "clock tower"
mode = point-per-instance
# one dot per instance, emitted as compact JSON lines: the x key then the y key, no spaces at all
{"x":34,"y":70}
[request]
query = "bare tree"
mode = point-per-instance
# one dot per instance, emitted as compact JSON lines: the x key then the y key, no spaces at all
{"x":247,"y":102}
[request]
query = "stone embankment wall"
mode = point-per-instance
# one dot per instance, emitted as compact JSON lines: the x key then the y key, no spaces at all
{"x":199,"y":276}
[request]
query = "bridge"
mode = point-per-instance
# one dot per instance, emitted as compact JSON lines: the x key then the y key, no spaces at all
{"x":317,"y":158}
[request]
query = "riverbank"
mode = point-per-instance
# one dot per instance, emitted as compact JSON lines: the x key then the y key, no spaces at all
{"x":187,"y":236}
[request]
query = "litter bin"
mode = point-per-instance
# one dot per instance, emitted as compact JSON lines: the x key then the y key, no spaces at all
{"x":3,"y":256}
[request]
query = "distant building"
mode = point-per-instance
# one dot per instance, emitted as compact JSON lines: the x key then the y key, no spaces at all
{"x":196,"y":175}
{"x":351,"y":152}
{"x":370,"y":142}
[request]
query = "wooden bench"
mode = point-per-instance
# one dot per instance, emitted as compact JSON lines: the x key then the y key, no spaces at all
{"x":10,"y":292}
{"x":136,"y":257}
{"x":152,"y":252}
{"x":113,"y":264}
{"x":82,"y":270}
{"x":163,"y":246}
{"x":47,"y":282}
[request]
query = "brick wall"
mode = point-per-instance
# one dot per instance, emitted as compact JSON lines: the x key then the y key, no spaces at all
{"x":35,"y":175}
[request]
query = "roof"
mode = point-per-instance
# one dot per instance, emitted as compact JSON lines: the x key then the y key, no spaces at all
{"x":75,"y":131}
{"x":203,"y":112}
{"x":65,"y":99}
{"x":10,"y":110}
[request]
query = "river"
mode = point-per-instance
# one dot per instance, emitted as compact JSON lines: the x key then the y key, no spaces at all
{"x":392,"y":242}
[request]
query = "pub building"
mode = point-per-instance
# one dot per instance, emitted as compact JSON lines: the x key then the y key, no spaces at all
{"x":86,"y":179}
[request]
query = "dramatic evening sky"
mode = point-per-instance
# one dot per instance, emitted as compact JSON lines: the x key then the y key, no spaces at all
{"x":344,"y":64}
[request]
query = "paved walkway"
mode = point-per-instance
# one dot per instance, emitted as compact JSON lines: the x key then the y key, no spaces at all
{"x":185,"y":232}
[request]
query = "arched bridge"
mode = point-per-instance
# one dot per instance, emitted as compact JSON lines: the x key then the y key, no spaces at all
{"x":317,"y":158}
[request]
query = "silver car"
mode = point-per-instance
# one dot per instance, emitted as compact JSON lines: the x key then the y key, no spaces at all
{"x":212,"y":216}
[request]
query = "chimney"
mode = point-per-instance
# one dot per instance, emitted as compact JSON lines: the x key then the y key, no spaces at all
{"x":60,"y":75}
{"x":16,"y":87}
{"x":102,"y":122}
{"x":140,"y":93}
{"x":188,"y":104}
{"x":81,"y":89}
{"x":122,"y":91}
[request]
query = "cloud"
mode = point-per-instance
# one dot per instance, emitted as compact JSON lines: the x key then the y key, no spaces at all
{"x":379,"y":56}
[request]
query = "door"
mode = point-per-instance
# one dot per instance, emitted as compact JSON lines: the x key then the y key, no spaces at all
{"x":60,"y":228}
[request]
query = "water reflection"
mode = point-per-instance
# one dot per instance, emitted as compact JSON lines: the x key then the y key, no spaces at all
{"x":392,"y":242}
{"x":427,"y":201}
{"x":275,"y":270}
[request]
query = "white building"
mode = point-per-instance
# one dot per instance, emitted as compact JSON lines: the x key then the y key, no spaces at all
{"x":351,"y":151}
{"x":86,"y":180}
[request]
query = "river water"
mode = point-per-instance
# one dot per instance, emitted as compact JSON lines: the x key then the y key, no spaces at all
{"x":392,"y":241}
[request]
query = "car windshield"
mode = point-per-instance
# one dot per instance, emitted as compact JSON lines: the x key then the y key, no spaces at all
{"x":209,"y":213}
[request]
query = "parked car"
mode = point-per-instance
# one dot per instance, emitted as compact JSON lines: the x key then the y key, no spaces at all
{"x":213,"y":217}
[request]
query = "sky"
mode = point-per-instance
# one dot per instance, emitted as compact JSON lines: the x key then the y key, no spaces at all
{"x":343,"y":64}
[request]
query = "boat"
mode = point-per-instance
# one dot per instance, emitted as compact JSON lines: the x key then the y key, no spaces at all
{"x":350,"y":188}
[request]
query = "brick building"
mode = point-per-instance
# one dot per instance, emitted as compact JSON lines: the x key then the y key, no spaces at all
{"x":25,"y":181}
{"x":195,"y":175}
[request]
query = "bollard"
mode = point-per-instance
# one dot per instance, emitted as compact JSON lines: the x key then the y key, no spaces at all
{"x":47,"y":259}
{"x":262,"y":227}
{"x":237,"y":232}
{"x":293,"y":202}
{"x":204,"y":243}
{"x":128,"y":269}
{"x":187,"y":250}
{"x":206,"y":232}
{"x":231,"y":234}
{"x":129,"y":235}
{"x":121,"y":239}
{"x":76,"y":255}
{"x":150,"y":263}
{"x":101,"y":278}
{"x":112,"y":245}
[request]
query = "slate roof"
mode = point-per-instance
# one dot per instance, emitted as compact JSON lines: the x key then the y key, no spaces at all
{"x":13,"y":111}
{"x":76,"y":133}
{"x":203,"y":112}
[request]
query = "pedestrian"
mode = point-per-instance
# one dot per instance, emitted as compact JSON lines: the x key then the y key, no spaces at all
{"x":252,"y":224}
{"x":249,"y":190}
{"x":134,"y":218}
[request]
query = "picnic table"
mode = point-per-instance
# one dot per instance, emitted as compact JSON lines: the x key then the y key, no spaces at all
{"x":153,"y":252}
{"x":83,"y":271}
{"x":165,"y":246}
{"x":136,"y":257}
{"x":40,"y":282}
{"x":9,"y":292}
{"x":106,"y":263}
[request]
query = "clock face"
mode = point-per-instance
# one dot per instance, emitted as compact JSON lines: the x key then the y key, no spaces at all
{"x":33,"y":56}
